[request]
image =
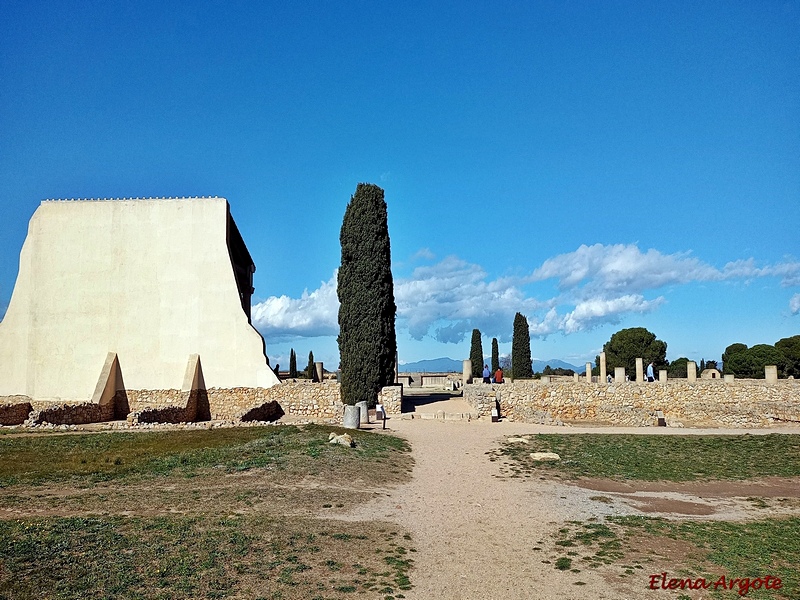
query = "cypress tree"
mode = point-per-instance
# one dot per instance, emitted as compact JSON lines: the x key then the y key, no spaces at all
{"x":495,"y":356}
{"x":292,"y":364}
{"x":367,"y":342}
{"x":521,"y":366}
{"x":476,"y":354}
{"x":310,"y":368}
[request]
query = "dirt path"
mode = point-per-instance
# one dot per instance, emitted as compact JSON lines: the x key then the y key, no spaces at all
{"x":480,"y":536}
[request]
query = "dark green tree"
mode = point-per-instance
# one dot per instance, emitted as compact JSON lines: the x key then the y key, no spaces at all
{"x":730,"y":351}
{"x":711,"y":364}
{"x":310,"y":371}
{"x":367,"y":340}
{"x":750,"y":363}
{"x":476,"y":354}
{"x":677,"y":368}
{"x":292,"y":364}
{"x":790,"y":347}
{"x":702,"y":365}
{"x":627,"y":345}
{"x":495,"y":356}
{"x":521,"y":365}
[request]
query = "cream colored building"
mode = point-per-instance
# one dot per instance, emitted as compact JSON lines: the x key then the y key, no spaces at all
{"x":154,"y":281}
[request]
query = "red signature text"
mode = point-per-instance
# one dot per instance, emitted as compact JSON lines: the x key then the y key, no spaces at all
{"x":741,"y":585}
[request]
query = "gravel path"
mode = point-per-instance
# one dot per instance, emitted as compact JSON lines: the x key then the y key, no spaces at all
{"x":477,"y":534}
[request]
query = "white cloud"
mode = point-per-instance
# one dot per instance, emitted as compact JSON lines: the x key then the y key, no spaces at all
{"x":313,"y":314}
{"x":794,"y":304}
{"x":453,"y":297}
{"x":599,"y":284}
{"x":622,"y":268}
{"x":596,"y":311}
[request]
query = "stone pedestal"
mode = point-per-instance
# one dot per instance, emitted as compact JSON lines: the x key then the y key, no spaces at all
{"x":602,"y":367}
{"x":619,"y":375}
{"x":639,"y":370}
{"x":364,"y":409}
{"x":466,"y":367}
{"x":691,"y":371}
{"x":662,"y":375}
{"x":319,"y":371}
{"x":729,"y":378}
{"x":352,"y":417}
{"x":771,"y":374}
{"x":589,"y":372}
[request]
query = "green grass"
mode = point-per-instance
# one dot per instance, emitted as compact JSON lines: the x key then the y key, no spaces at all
{"x":658,"y":457}
{"x":630,"y":546}
{"x":750,"y":549}
{"x":182,"y":558}
{"x":108,"y":456}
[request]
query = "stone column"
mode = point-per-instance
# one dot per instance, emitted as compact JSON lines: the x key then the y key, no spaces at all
{"x":619,"y":375}
{"x":771,"y":373}
{"x":467,"y":371}
{"x":662,"y":375}
{"x":320,"y":371}
{"x":576,"y":377}
{"x":589,"y":372}
{"x":639,"y":370}
{"x":729,"y":378}
{"x":602,"y":367}
{"x":691,"y":371}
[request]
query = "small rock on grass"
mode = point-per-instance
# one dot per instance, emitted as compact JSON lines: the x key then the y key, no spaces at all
{"x":545,"y":456}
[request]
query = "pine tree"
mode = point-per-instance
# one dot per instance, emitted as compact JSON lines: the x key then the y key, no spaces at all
{"x":292,"y":364}
{"x":521,"y":366}
{"x":367,"y":342}
{"x":702,"y":365}
{"x":495,"y":356}
{"x":310,"y":368}
{"x":476,"y":354}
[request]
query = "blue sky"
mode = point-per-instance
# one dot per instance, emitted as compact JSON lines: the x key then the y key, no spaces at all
{"x":593,"y":165}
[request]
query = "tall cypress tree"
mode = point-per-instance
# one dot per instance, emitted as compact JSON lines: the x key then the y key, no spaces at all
{"x":476,"y":354}
{"x":292,"y":364}
{"x":521,"y":366}
{"x":367,"y":342}
{"x":310,"y":368}
{"x":495,"y":356}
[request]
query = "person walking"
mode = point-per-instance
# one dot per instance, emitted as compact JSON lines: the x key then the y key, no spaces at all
{"x":650,"y":376}
{"x":486,"y":374}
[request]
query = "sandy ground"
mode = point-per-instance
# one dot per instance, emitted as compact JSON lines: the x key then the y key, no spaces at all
{"x":477,"y":533}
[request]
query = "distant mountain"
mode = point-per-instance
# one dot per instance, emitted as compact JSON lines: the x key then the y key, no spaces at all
{"x":435,"y":365}
{"x":539,"y":365}
{"x":449,"y":365}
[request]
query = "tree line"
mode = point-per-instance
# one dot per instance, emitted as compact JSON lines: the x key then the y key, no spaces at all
{"x":627,"y":345}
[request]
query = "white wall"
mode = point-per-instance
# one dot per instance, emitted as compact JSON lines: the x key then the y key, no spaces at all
{"x":148,"y":279}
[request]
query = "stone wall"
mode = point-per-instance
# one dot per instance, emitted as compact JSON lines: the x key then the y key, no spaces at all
{"x":392,"y":399}
{"x":69,"y":413}
{"x":14,"y":409}
{"x":710,"y":403}
{"x":298,"y":398}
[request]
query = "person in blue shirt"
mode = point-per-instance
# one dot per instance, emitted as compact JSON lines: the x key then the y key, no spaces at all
{"x":486,"y":374}
{"x":650,"y":376}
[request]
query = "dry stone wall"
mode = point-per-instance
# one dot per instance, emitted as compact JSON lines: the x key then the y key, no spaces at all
{"x":299,"y":398}
{"x":69,"y":413}
{"x":14,"y":409}
{"x":709,"y":403}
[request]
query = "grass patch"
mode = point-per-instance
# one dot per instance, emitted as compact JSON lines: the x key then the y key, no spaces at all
{"x":657,"y":457}
{"x":91,"y":458}
{"x":182,"y":558}
{"x":639,"y":547}
{"x":751,"y":549}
